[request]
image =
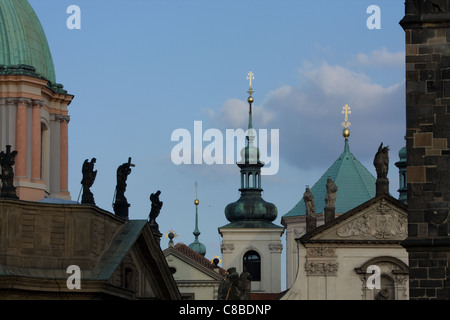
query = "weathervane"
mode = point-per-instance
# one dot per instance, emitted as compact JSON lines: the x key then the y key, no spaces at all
{"x":346,"y":111}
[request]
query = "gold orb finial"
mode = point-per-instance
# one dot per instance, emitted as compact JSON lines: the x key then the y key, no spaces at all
{"x":346,"y":133}
{"x":346,"y":111}
{"x":250,"y":99}
{"x":196,"y":202}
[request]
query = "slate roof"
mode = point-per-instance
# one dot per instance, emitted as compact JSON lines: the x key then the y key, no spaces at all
{"x":356,"y":185}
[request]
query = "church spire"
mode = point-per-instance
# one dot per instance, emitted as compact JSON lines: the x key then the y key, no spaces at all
{"x":250,"y":206}
{"x":251,"y":134}
{"x":196,"y":202}
{"x":197,"y":246}
{"x":250,"y":154}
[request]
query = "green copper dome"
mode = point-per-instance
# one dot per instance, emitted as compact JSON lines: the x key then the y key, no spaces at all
{"x":23,"y":41}
{"x":251,"y":208}
{"x":355,"y":183}
{"x":198,"y":247}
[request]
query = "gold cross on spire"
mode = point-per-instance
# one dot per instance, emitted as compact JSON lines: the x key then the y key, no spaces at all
{"x":250,"y":77}
{"x":346,"y":111}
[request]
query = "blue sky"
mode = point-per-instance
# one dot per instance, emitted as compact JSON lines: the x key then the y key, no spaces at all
{"x":140,"y":69}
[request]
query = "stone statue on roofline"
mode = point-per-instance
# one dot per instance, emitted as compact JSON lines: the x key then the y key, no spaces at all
{"x":381,"y":161}
{"x":155,"y":210}
{"x":330,"y":198}
{"x":7,"y":160}
{"x":88,"y":180}
{"x":310,"y":206}
{"x":121,"y":204}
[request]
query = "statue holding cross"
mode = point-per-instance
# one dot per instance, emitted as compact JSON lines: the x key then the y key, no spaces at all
{"x":121,"y":204}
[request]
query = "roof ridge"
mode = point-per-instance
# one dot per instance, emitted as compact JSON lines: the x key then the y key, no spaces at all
{"x":195,"y":256}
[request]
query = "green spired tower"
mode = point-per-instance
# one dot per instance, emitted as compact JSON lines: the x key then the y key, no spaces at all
{"x":197,"y":246}
{"x":251,"y":241}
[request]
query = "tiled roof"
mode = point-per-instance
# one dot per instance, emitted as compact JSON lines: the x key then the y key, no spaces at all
{"x":188,"y":252}
{"x":356,"y":185}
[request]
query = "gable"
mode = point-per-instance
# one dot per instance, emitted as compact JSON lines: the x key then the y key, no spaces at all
{"x":383,"y":220}
{"x":188,"y":271}
{"x":142,"y":270}
{"x":190,"y":265}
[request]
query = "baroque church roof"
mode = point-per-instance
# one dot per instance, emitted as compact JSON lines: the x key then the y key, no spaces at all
{"x":23,"y":42}
{"x":356,"y":185}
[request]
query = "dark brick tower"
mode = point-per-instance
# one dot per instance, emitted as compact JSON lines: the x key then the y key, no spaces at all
{"x":427,"y":29}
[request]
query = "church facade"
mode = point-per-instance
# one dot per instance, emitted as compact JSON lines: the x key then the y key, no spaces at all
{"x":356,"y":256}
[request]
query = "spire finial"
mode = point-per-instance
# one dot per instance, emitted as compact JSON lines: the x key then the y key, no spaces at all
{"x":196,"y":202}
{"x":346,"y":111}
{"x":250,"y":77}
{"x":250,"y":137}
{"x":171,"y":235}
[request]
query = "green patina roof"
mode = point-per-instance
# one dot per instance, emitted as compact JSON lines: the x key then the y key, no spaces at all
{"x":22,"y":39}
{"x":198,"y":247}
{"x":356,"y":185}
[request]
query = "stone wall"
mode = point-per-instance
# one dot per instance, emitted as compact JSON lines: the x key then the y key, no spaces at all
{"x":427,"y":37}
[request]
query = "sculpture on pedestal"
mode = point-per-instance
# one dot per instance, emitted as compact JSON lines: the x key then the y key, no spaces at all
{"x":330,"y":198}
{"x":381,"y":161}
{"x":310,"y":208}
{"x":7,"y":160}
{"x":88,"y":180}
{"x":155,"y":210}
{"x":121,"y":204}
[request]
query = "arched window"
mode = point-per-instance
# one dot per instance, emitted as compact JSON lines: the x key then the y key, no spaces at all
{"x":252,"y":264}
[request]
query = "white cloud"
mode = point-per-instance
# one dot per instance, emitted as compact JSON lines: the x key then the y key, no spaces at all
{"x":234,"y":114}
{"x":309,"y":116}
{"x":381,"y":58}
